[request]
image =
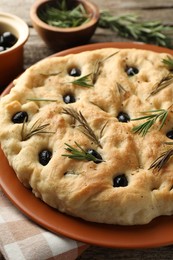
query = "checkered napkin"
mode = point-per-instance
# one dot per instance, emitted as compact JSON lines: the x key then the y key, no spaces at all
{"x":21,"y":239}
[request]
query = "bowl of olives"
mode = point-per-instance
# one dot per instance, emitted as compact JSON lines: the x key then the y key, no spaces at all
{"x":14,"y":32}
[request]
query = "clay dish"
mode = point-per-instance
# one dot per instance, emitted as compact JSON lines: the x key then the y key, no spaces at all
{"x":59,"y":38}
{"x":11,"y":60}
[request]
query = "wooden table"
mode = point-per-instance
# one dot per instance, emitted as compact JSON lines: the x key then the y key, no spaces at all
{"x":35,"y":50}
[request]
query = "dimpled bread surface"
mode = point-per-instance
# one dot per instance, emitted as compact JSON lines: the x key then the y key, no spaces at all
{"x":85,"y":188}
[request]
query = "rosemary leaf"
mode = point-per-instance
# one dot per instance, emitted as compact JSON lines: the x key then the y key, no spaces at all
{"x":79,"y":154}
{"x":42,"y":99}
{"x":120,"y":88}
{"x":170,"y":143}
{"x":51,"y":74}
{"x":103,"y":128}
{"x":84,"y":81}
{"x":153,"y":116}
{"x":168,"y":62}
{"x":129,"y":26}
{"x":96,"y":71}
{"x":23,"y":129}
{"x":62,"y":5}
{"x":87,"y":130}
{"x":35,"y":129}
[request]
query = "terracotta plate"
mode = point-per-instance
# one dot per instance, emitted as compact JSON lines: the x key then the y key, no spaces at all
{"x":158,"y":233}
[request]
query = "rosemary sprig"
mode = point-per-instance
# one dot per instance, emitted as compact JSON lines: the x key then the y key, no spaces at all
{"x":129,"y":26}
{"x":35,"y":129}
{"x":163,"y":83}
{"x":80,"y":154}
{"x":162,"y":159}
{"x":98,"y":65}
{"x":168,"y":62}
{"x":60,"y":15}
{"x":153,"y":116}
{"x":84,"y":81}
{"x":90,"y":79}
{"x":87,"y":130}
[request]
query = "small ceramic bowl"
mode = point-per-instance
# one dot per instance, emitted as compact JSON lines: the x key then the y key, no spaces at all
{"x":58,"y":38}
{"x":11,"y":60}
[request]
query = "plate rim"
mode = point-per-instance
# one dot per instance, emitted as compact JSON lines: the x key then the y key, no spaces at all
{"x":112,"y":236}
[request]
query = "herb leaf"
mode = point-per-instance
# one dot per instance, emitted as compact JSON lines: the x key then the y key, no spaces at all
{"x":120,"y":88}
{"x":50,"y":74}
{"x":168,"y":62}
{"x":42,"y":99}
{"x":79,"y":154}
{"x":152,"y":117}
{"x":87,"y":130}
{"x":84,"y":81}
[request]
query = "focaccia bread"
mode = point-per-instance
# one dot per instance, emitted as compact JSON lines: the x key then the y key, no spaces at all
{"x":90,"y":134}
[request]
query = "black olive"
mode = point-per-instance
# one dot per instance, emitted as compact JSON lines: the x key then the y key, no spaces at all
{"x":123,"y":117}
{"x":69,"y":98}
{"x":1,"y":40}
{"x":170,"y":134}
{"x":131,"y":71}
{"x":20,"y":117}
{"x":96,"y":155}
{"x":2,"y":48}
{"x":120,"y":181}
{"x":44,"y":157}
{"x":75,"y":72}
{"x":8,"y":39}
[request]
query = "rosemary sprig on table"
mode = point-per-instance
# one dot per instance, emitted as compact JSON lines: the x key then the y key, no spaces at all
{"x":80,"y":154}
{"x":35,"y":129}
{"x":151,"y":116}
{"x":87,"y":130}
{"x":84,"y":81}
{"x":163,"y":83}
{"x":129,"y":26}
{"x":61,"y":16}
{"x":162,"y":159}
